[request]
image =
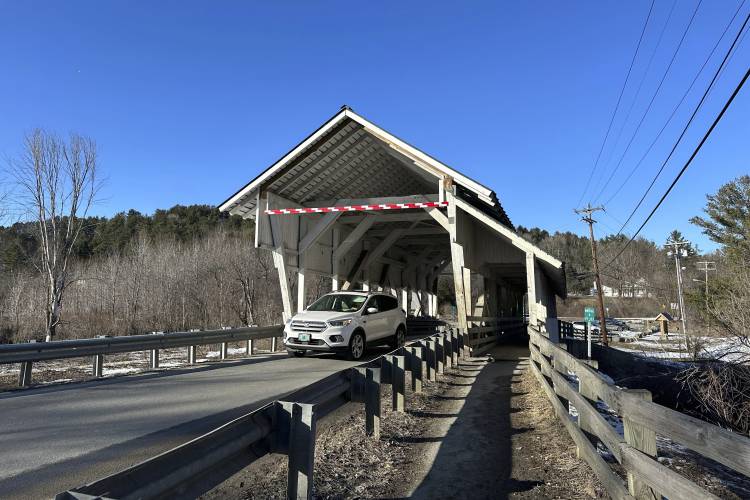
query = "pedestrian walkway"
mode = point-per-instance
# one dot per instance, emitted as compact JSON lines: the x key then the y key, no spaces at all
{"x":502,"y":439}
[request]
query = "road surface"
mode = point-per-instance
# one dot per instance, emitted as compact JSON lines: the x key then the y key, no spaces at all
{"x":56,"y":438}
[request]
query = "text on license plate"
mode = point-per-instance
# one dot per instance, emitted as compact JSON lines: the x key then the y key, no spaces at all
{"x":304,"y":337}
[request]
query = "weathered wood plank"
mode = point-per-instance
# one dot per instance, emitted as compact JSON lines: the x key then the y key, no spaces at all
{"x":612,"y":483}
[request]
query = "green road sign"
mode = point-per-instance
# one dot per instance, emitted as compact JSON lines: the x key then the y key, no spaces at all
{"x":589,"y":314}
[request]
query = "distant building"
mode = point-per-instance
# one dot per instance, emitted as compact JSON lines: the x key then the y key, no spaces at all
{"x":637,"y":289}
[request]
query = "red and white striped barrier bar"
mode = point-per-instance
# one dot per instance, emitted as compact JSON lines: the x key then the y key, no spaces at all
{"x":357,"y":208}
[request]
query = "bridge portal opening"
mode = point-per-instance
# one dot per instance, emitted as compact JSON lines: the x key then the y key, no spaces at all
{"x":360,"y":206}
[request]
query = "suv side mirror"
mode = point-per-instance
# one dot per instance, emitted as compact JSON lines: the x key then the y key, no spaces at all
{"x":372,"y":310}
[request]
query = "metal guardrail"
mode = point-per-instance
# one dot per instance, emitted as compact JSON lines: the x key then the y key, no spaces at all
{"x":287,"y":427}
{"x":31,"y":352}
{"x":636,"y":449}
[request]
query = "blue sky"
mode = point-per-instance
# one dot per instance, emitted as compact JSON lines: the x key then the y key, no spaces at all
{"x":189,"y":100}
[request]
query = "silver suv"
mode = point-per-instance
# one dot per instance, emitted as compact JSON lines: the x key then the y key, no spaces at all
{"x":346,"y":323}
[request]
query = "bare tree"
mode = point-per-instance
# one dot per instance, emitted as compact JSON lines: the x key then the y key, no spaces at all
{"x":57,"y":184}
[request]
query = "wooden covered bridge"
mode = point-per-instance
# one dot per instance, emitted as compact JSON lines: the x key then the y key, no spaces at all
{"x":357,"y":204}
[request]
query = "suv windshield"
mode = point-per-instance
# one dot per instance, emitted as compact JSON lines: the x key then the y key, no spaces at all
{"x":340,"y":302}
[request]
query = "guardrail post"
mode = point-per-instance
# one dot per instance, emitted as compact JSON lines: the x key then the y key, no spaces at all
{"x":24,"y":378}
{"x":641,"y":438}
{"x":223,"y":350}
{"x":431,"y":376}
{"x":372,"y":402}
{"x":454,"y":347}
{"x":416,"y":366}
{"x":448,"y":347}
{"x":192,"y":354}
{"x":295,"y":426}
{"x":273,"y":344}
{"x":398,"y":379}
{"x":386,"y":369}
{"x":154,"y":358}
{"x":440,"y":355}
{"x":96,"y":365}
{"x":365,"y":388}
{"x":249,"y":348}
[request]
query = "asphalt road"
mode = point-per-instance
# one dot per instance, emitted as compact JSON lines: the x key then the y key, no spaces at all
{"x":56,"y":438}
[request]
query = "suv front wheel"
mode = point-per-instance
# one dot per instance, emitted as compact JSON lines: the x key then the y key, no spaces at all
{"x":356,"y":346}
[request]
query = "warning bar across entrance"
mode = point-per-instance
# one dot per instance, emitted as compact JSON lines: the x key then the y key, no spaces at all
{"x":357,"y":208}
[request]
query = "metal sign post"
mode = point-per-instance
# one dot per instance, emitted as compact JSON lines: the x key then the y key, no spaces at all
{"x":588,"y":316}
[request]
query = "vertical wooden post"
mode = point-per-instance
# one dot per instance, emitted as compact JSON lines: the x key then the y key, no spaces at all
{"x":398,"y":378}
{"x":416,"y":365}
{"x":386,"y":369}
{"x":273,"y":344}
{"x":448,"y":349}
{"x":431,"y":361}
{"x":641,"y":438}
{"x":587,"y":391}
{"x":440,"y":354}
{"x":457,"y":261}
{"x":372,"y":402}
{"x":249,"y":347}
{"x":192,"y":351}
{"x":454,"y":348}
{"x":301,"y":452}
{"x":223,"y":350}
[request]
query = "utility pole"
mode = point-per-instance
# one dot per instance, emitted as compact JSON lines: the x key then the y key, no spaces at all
{"x":706,"y":266}
{"x":587,"y":217}
{"x":678,"y":252}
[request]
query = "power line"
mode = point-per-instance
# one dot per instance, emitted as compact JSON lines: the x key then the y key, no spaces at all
{"x":674,"y":111}
{"x":643,"y":80}
{"x":687,"y":125}
{"x":617,"y":106}
{"x":687,"y":164}
{"x":653,"y":98}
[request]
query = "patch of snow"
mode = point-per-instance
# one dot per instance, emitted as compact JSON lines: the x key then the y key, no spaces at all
{"x":119,"y":371}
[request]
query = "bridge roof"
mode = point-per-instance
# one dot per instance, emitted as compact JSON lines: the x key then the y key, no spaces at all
{"x":349,"y":157}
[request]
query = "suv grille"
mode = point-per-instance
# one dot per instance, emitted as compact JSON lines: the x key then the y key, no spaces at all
{"x":308,"y":326}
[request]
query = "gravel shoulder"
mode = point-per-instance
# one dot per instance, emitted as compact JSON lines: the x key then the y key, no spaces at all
{"x":484,"y":430}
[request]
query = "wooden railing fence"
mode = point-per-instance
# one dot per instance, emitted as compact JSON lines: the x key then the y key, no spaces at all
{"x":642,"y":420}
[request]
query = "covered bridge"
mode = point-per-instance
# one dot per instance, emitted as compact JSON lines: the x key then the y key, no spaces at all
{"x":357,"y":204}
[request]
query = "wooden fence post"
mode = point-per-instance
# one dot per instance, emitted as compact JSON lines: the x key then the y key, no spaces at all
{"x":298,"y":441}
{"x":439,"y":355}
{"x":372,"y":402}
{"x":398,"y":382}
{"x":386,"y":369}
{"x":454,"y":347}
{"x":448,"y":348}
{"x":417,"y":368}
{"x":641,"y":438}
{"x":431,"y":376}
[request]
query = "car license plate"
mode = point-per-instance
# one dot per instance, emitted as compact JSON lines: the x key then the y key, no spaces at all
{"x":304,"y":337}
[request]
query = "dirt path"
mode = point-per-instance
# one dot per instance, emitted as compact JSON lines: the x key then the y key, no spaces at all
{"x":485,"y":430}
{"x":501,"y":439}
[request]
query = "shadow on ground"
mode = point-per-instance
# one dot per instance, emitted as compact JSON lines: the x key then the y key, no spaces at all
{"x":475,"y":457}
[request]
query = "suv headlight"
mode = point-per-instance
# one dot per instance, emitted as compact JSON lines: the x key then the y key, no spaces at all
{"x":340,"y":322}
